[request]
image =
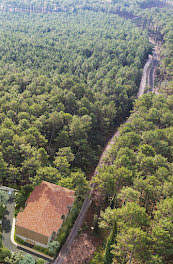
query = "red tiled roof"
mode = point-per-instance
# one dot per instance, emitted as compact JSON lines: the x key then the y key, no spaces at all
{"x":45,"y":207}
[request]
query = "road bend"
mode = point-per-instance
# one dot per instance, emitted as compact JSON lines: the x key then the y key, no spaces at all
{"x":148,"y":74}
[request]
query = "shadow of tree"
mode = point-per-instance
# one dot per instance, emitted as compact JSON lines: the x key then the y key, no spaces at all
{"x":6,"y":225}
{"x":6,"y":213}
{"x":11,"y":200}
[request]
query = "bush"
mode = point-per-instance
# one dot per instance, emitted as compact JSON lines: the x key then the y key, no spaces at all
{"x":36,"y":247}
{"x":2,"y":211}
{"x":98,"y":258}
{"x":19,"y":240}
{"x":53,"y":247}
{"x":42,"y":250}
{"x":22,"y":196}
{"x":63,"y":233}
{"x":67,"y":225}
{"x":40,"y":261}
{"x":4,"y":252}
{"x":14,"y":258}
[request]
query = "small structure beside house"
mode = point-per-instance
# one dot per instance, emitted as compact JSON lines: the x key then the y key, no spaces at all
{"x":46,"y":207}
{"x":11,"y":191}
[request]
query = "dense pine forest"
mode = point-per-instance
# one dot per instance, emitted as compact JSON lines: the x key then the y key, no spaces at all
{"x":65,"y":80}
{"x":137,"y":185}
{"x":69,"y":76}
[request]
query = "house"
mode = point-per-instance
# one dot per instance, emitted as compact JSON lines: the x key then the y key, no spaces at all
{"x":46,"y":207}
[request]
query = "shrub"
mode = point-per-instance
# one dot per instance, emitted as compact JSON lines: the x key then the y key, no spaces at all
{"x":22,"y":196}
{"x":53,"y":247}
{"x":40,"y":261}
{"x":4,"y":252}
{"x":19,"y":240}
{"x":98,"y":258}
{"x":42,"y":250}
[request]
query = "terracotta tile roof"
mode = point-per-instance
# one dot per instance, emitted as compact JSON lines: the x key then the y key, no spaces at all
{"x":45,"y":207}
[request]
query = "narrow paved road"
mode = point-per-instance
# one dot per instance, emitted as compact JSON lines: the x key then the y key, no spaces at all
{"x":7,"y":225}
{"x":67,"y":245}
{"x":6,"y":232}
{"x":151,"y":74}
{"x":144,"y":76}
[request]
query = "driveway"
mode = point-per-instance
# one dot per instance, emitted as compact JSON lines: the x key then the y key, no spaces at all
{"x":7,"y":225}
{"x":6,"y":232}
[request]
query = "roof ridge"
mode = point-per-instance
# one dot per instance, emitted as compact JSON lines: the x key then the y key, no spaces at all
{"x":53,"y":185}
{"x":48,"y":200}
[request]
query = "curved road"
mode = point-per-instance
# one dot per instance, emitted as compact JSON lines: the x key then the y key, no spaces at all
{"x":147,"y":78}
{"x":7,"y":226}
{"x":7,"y":223}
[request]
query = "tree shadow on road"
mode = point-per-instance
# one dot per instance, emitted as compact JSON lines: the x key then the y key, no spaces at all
{"x":11,"y":200}
{"x":6,"y":213}
{"x":6,"y":225}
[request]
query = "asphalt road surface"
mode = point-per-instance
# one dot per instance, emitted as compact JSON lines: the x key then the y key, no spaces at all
{"x":6,"y":232}
{"x":151,"y":74}
{"x":7,"y":225}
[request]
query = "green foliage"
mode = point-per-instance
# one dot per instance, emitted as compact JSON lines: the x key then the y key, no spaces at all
{"x":64,"y":82}
{"x":42,"y":250}
{"x":133,"y":241}
{"x":4,"y":252}
{"x":3,"y":168}
{"x":128,"y":194}
{"x":49,"y":174}
{"x":108,"y":257}
{"x":3,"y":197}
{"x":3,"y":202}
{"x":36,"y":247}
{"x":14,"y":258}
{"x":132,"y":214}
{"x":143,"y":204}
{"x":53,"y":247}
{"x":2,"y":211}
{"x":43,"y":157}
{"x":40,"y":261}
{"x":98,"y":258}
{"x":19,"y":240}
{"x":27,"y":259}
{"x":107,"y":218}
{"x":76,"y":181}
{"x":111,"y":179}
{"x":22,"y":196}
{"x":1,"y":238}
{"x":68,"y":224}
